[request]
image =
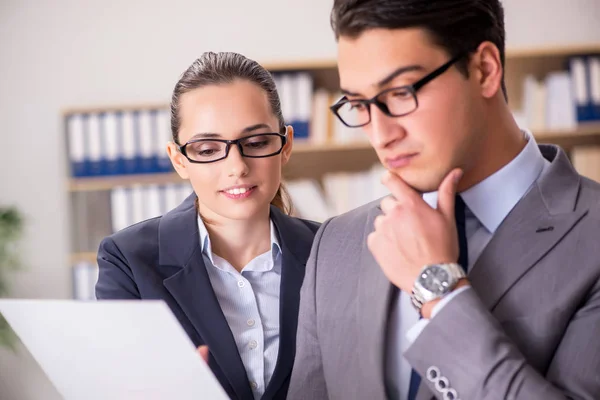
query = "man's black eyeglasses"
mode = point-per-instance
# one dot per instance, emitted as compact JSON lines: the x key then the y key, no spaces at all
{"x":393,"y":102}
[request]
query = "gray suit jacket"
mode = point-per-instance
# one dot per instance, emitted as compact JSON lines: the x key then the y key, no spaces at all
{"x":528,"y":329}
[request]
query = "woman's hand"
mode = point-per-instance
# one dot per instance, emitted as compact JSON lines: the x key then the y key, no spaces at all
{"x":203,"y":351}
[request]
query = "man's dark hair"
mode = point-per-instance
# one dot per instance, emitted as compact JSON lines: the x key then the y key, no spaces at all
{"x":456,"y":25}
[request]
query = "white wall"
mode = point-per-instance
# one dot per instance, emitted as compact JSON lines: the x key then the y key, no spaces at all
{"x":62,"y":53}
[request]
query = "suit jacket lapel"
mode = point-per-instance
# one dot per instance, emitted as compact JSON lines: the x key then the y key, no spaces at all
{"x":530,"y":231}
{"x":374,"y":295}
{"x":179,"y":242}
{"x":296,"y":241}
{"x":537,"y":223}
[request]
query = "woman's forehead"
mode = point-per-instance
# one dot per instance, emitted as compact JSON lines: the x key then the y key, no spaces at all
{"x":226,"y":110}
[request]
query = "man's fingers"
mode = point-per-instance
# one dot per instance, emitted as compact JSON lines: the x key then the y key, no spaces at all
{"x":388,"y":204}
{"x":401,"y":191}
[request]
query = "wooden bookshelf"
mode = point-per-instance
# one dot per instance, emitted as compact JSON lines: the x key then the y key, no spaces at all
{"x":553,"y":51}
{"x":584,"y":135}
{"x":307,"y":160}
{"x":300,"y":65}
{"x":91,"y":195}
{"x":88,"y":257}
{"x":107,"y":108}
{"x":315,"y":160}
{"x":537,"y":62}
{"x":92,"y":184}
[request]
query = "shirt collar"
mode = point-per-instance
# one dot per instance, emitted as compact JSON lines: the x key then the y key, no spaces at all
{"x":206,"y":247}
{"x":493,"y":198}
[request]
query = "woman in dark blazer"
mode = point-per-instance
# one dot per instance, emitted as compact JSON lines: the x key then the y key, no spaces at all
{"x":229,"y":261}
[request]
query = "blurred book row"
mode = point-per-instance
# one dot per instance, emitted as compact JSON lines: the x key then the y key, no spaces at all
{"x":121,"y":142}
{"x":563,"y":99}
{"x":131,"y":205}
{"x":134,"y":141}
{"x":306,"y":108}
{"x":98,"y":214}
{"x":339,"y":193}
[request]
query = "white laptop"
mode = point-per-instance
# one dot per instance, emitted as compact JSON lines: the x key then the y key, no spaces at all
{"x":112,"y":349}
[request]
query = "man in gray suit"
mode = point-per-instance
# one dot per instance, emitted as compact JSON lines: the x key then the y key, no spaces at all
{"x":491,"y":294}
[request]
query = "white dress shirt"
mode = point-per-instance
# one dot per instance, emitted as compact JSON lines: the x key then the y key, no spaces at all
{"x":250,"y":302}
{"x":487,"y":205}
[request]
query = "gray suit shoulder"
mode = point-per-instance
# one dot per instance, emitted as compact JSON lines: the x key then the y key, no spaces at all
{"x":349,"y":227}
{"x":356,"y":217}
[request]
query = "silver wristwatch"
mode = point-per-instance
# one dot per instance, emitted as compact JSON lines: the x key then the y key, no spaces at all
{"x":434,"y":282}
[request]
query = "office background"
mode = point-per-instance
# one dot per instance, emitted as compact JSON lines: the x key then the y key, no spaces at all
{"x":60,"y":54}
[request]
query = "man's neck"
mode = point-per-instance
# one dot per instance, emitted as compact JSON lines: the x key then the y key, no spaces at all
{"x":501,"y":143}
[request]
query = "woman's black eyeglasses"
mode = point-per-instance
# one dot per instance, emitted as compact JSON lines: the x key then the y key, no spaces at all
{"x":203,"y":151}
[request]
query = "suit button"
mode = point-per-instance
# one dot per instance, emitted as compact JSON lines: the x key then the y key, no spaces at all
{"x":450,"y":395}
{"x":442,"y":384}
{"x":433,"y":373}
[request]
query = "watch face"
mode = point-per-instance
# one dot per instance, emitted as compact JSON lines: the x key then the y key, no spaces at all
{"x":435,"y":279}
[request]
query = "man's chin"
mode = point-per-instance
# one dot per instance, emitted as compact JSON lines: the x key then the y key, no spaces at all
{"x":422,"y":183}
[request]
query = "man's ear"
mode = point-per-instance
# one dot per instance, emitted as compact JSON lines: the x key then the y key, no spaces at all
{"x":488,"y":69}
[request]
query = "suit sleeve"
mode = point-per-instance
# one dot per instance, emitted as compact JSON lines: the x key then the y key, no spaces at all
{"x":308,"y":378}
{"x":489,"y":366}
{"x":115,"y":278}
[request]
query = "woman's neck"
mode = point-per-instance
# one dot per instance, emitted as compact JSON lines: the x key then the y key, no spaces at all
{"x":240,"y":241}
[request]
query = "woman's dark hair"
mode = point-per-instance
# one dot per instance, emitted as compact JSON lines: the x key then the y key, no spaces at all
{"x":224,"y":68}
{"x":457,"y":26}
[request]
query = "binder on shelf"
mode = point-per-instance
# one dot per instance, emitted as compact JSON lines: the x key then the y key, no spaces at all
{"x":560,"y":104}
{"x":129,"y":142}
{"x":145,"y":150}
{"x":112,"y":145}
{"x":138,"y":204}
{"x":320,"y":125}
{"x":171,"y":197}
{"x":309,"y":200}
{"x":534,"y":102}
{"x":151,"y":194}
{"x":76,"y":145}
{"x":95,"y":145}
{"x":163,"y":136}
{"x":118,"y":142}
{"x":594,"y":71}
{"x":120,"y":209}
{"x":285,"y":86}
{"x":302,"y":91}
{"x":579,"y":69}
